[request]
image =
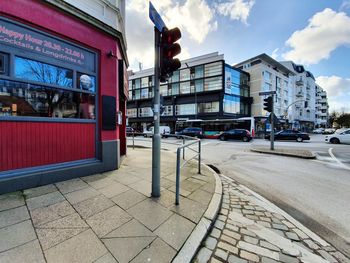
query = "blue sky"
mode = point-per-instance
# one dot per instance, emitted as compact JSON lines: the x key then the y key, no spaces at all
{"x":315,"y":33}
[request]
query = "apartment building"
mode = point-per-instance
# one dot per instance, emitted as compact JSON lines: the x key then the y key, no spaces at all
{"x":267,"y":74}
{"x":205,"y":88}
{"x":322,"y":108}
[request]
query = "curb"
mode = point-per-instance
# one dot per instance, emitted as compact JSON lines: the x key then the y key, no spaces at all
{"x":194,"y":241}
{"x":313,"y":156}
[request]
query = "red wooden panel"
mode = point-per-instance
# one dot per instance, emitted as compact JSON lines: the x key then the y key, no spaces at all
{"x":29,"y":144}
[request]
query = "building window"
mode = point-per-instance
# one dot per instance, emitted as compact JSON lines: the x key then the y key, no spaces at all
{"x":175,"y":88}
{"x":213,"y":84}
{"x":144,"y":93}
{"x":199,"y":83}
{"x":213,"y":69}
{"x":137,"y":83}
{"x":145,"y":112}
{"x":144,"y":82}
{"x":131,"y":113}
{"x":168,"y":110}
{"x":185,"y":74}
{"x":137,"y":94}
{"x":163,"y":90}
{"x":185,"y":109}
{"x":199,"y":72}
{"x":175,"y":77}
{"x":44,"y":73}
{"x":231,"y":104}
{"x":267,"y":87}
{"x":267,"y":76}
{"x":130,"y":95}
{"x":208,"y":107}
{"x":86,"y":82}
{"x":185,"y":87}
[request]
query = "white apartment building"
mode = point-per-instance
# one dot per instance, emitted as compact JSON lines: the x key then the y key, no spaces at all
{"x":322,"y":107}
{"x":267,"y":74}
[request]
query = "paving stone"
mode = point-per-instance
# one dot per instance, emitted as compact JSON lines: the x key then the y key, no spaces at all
{"x":329,"y":249}
{"x":37,"y":191}
{"x":267,"y":219}
{"x":236,"y":206}
{"x":175,"y":231}
{"x":278,"y":232}
{"x":144,"y":187}
{"x":269,"y":246}
{"x":287,"y":259}
{"x":232,"y":234}
{"x":44,"y":215}
{"x":340,"y":257}
{"x":70,"y":221}
{"x":150,"y":214}
{"x":99,"y":183}
{"x":292,"y":236}
{"x":11,"y":200}
{"x":13,"y":216}
{"x":224,"y":211}
{"x":279,"y":227}
{"x":221,"y":254}
{"x":210,"y":188}
{"x":166,"y":199}
{"x":215,"y":233}
{"x":29,"y":252}
{"x":131,"y":229}
{"x":225,"y":206}
{"x":276,"y":221}
{"x":300,"y":233}
{"x":234,"y":259}
{"x":16,"y":235}
{"x":263,"y":223}
{"x":247,"y":212}
{"x":222,"y":218}
{"x":125,"y":179}
{"x":268,"y":260}
{"x":210,"y":243}
{"x":113,"y":189}
{"x":189,"y":209}
{"x":203,"y":255}
{"x":128,"y":199}
{"x":258,"y":213}
{"x":214,"y":260}
{"x":44,"y":200}
{"x":50,"y":237}
{"x":249,"y":207}
{"x":232,"y":227}
{"x":249,"y":256}
{"x":183,"y":192}
{"x":229,"y":240}
{"x":251,"y":240}
{"x":244,"y":231}
{"x":126,"y":248}
{"x":107,"y":258}
{"x":288,"y":224}
{"x":81,"y":195}
{"x":108,"y":220}
{"x":72,"y":185}
{"x":258,"y":250}
{"x":311,"y":244}
{"x":327,"y":256}
{"x":158,"y":251}
{"x":252,"y":217}
{"x":85,"y":247}
{"x":228,"y":247}
{"x":219,"y":224}
{"x":300,"y":244}
{"x":93,"y":206}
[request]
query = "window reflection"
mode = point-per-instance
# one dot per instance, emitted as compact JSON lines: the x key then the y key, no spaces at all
{"x":44,"y":73}
{"x":23,"y":99}
{"x":86,"y":82}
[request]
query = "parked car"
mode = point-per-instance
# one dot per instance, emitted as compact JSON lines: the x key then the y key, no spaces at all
{"x":191,"y":131}
{"x":236,"y":134}
{"x":342,"y":136}
{"x":328,"y":131}
{"x":129,"y":131}
{"x":318,"y":131}
{"x":163,"y":130}
{"x":290,"y":135}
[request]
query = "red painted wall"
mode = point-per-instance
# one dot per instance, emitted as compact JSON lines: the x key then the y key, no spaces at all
{"x":28,"y":144}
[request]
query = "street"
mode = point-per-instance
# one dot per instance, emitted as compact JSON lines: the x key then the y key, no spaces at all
{"x":315,"y":192}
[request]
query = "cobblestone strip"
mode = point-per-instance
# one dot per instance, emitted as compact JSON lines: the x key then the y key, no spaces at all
{"x":250,"y":230}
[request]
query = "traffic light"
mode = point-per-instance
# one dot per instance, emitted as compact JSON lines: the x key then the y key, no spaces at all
{"x":168,"y":50}
{"x":268,"y":104}
{"x":305,"y":104}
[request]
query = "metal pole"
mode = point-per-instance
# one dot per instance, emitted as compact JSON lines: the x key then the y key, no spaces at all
{"x":156,"y":107}
{"x":199,"y":156}
{"x":133,"y":140}
{"x":183,"y":150}
{"x":177,"y":188}
{"x":272,"y":146}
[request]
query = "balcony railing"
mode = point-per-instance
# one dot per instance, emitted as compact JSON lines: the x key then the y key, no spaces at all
{"x":299,"y":82}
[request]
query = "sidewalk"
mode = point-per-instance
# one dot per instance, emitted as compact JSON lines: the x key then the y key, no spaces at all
{"x":111,"y":217}
{"x":249,"y":228}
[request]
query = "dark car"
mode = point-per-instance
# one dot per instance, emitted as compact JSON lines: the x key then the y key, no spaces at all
{"x":191,"y":131}
{"x":129,"y":131}
{"x":290,"y":135}
{"x":236,"y":134}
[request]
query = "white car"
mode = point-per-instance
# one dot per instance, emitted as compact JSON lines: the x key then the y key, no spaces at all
{"x":342,"y":136}
{"x":163,"y":130}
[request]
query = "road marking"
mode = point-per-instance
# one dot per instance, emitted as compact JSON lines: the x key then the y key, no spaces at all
{"x":338,"y":161}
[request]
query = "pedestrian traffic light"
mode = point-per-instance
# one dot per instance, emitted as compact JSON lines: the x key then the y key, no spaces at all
{"x":268,"y":104}
{"x":168,"y":50}
{"x":305,"y":104}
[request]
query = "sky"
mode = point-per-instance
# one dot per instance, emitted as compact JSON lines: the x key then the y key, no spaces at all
{"x":314,"y":33}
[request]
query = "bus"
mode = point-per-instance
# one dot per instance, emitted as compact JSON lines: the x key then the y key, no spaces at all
{"x":213,"y":128}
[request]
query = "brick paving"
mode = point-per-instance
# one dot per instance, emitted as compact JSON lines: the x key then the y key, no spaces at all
{"x":251,"y":229}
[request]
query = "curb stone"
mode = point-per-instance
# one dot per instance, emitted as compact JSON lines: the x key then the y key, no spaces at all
{"x":312,"y":156}
{"x":194,"y":241}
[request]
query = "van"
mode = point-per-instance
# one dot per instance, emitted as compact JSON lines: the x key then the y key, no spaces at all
{"x":164,"y":131}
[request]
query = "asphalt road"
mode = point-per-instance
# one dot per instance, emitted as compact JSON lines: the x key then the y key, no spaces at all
{"x":315,"y":192}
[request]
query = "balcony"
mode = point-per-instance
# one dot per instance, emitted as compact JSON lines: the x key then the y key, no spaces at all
{"x":299,"y":82}
{"x":299,"y":94}
{"x":322,"y":101}
{"x":323,"y":107}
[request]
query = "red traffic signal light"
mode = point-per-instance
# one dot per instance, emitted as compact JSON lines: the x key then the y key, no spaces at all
{"x":168,"y":50}
{"x":268,"y":104}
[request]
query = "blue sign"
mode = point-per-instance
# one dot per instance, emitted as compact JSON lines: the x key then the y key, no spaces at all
{"x":156,"y":18}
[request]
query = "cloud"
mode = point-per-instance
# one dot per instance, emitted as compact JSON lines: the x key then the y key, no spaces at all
{"x":194,"y":18}
{"x":236,"y":9}
{"x":326,"y":31}
{"x":345,"y":5}
{"x":337,"y":91}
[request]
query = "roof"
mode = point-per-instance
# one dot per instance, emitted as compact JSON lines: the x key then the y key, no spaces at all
{"x":269,"y":60}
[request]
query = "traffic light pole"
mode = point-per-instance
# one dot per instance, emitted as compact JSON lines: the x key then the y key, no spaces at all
{"x":272,"y":137}
{"x":156,"y":116}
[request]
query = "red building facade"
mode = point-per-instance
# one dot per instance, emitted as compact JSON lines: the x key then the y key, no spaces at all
{"x":62,"y":95}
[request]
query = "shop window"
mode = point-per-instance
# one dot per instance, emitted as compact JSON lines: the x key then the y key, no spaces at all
{"x":40,"y":72}
{"x":3,"y":64}
{"x":208,"y":107}
{"x":86,"y":82}
{"x":131,"y":113}
{"x":185,"y":109}
{"x":24,"y":99}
